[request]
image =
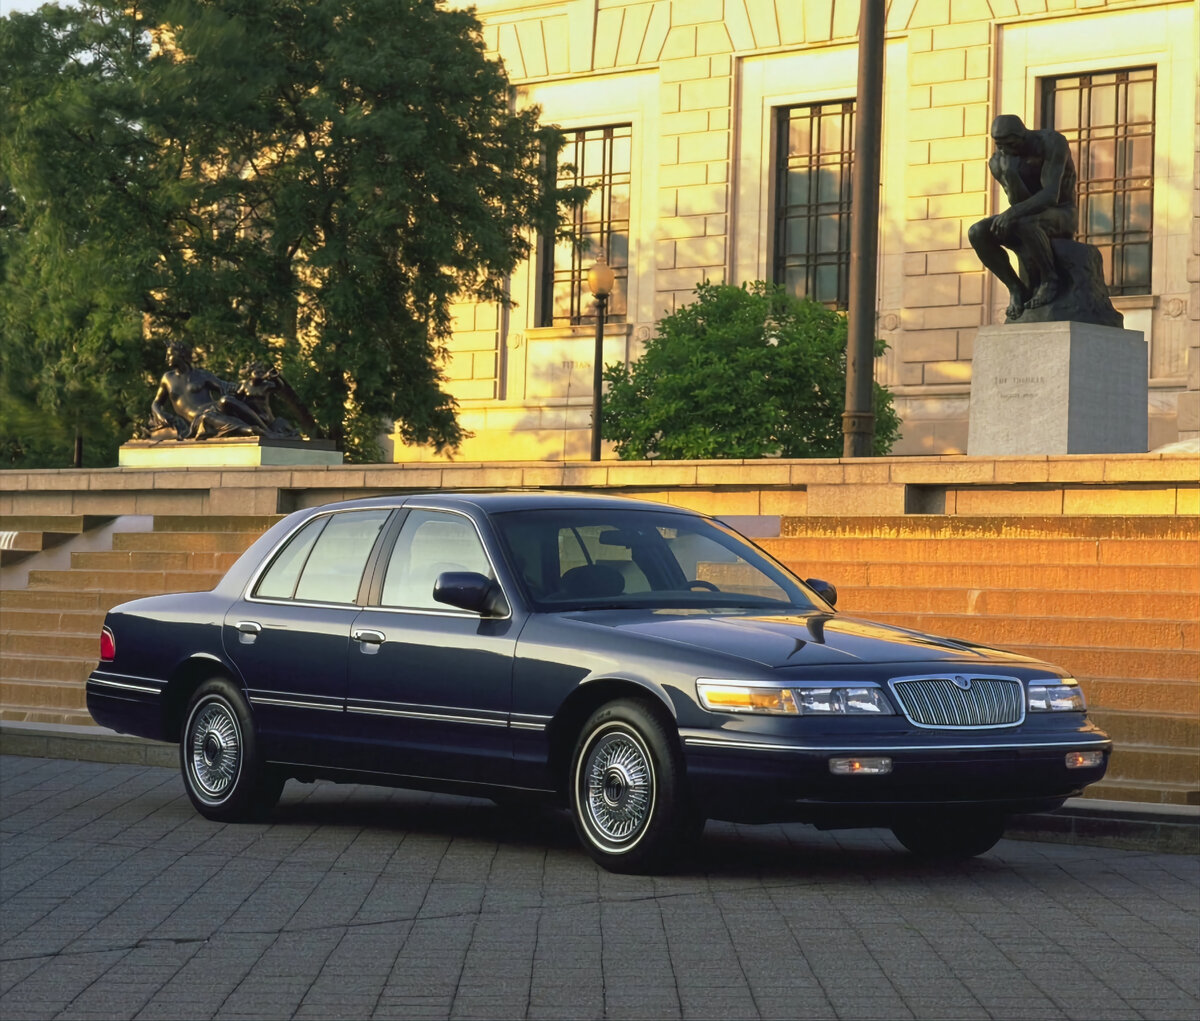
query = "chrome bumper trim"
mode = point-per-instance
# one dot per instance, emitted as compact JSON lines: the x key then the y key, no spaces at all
{"x":856,"y":749}
{"x":124,"y":685}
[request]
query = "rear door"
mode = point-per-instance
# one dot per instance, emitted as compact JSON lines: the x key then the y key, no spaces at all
{"x":290,"y":636}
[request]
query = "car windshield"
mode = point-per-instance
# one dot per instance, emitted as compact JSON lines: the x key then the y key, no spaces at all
{"x":577,"y":559}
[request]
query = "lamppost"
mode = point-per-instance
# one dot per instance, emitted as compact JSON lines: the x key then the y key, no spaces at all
{"x":600,"y":282}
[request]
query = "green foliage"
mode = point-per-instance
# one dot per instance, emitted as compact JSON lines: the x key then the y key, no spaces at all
{"x":311,"y":183}
{"x":742,"y":372}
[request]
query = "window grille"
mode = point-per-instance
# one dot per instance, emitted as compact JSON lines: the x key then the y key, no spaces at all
{"x":815,"y":163}
{"x":1108,"y":119}
{"x":600,"y":159}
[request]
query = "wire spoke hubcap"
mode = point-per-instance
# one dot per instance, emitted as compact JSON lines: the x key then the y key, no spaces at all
{"x":618,"y":787}
{"x":215,"y":749}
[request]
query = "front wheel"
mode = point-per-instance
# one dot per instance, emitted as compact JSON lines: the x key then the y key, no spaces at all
{"x":628,"y":801}
{"x":951,"y":835}
{"x":218,"y":755}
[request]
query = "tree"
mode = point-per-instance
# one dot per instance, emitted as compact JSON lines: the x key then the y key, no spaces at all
{"x":74,"y":252}
{"x":319,"y":179}
{"x":742,"y":372}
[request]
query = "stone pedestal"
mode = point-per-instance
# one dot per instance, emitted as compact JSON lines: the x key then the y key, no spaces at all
{"x":1058,"y":388}
{"x":232,"y":451}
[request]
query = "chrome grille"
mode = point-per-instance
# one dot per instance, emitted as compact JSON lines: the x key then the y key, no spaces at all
{"x":961,"y":700}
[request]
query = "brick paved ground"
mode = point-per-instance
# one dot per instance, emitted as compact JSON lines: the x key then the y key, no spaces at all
{"x":120,"y":902}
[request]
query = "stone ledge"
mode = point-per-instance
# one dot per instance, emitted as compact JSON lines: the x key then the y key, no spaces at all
{"x":1122,"y":484}
{"x":83,"y":744}
{"x":1173,"y":829}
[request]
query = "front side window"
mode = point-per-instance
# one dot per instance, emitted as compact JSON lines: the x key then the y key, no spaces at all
{"x":323,"y":562}
{"x":430,"y":543}
{"x":599,"y":159}
{"x":815,"y":163}
{"x":1108,"y":119}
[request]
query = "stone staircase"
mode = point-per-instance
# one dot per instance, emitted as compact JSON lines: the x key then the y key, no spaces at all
{"x":50,"y":629}
{"x":1114,"y":600}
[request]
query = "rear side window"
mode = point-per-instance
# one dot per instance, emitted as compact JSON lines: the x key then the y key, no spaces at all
{"x":324,"y":561}
{"x":280,"y":580}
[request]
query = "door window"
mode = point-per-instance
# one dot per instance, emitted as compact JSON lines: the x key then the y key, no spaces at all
{"x":429,"y":544}
{"x":324,"y":561}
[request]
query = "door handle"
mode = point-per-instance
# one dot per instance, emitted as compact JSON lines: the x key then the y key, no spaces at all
{"x":248,"y":630}
{"x":368,"y":636}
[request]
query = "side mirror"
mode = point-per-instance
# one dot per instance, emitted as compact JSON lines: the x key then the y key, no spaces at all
{"x":469,"y":590}
{"x":823,"y":589}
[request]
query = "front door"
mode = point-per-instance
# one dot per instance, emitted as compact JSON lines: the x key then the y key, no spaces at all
{"x":429,"y":687}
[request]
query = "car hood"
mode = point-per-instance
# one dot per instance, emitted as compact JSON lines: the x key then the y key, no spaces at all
{"x":803,"y":640}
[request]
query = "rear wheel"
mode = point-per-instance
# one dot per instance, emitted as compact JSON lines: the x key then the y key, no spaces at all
{"x":628,"y":800}
{"x":950,"y":835}
{"x":218,"y":756}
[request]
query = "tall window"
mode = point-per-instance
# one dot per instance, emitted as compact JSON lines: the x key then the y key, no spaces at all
{"x":815,"y":160}
{"x":600,"y":159}
{"x":1109,"y":120}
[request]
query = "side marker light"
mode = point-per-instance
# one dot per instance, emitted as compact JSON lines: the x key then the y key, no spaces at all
{"x":867,"y":766}
{"x":1084,"y":760}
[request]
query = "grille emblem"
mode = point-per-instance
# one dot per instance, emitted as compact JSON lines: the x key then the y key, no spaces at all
{"x":962,"y":683}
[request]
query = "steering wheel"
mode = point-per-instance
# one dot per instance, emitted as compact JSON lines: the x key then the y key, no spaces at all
{"x":708,"y":586}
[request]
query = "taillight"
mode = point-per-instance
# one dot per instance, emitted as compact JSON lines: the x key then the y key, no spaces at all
{"x":108,"y":646}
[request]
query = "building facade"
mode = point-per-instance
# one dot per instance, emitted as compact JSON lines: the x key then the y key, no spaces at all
{"x":717,"y":137}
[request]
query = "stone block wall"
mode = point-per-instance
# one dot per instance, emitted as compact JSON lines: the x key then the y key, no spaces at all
{"x":699,"y":79}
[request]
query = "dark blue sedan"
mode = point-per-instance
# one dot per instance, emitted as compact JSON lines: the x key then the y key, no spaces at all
{"x":645,"y":664}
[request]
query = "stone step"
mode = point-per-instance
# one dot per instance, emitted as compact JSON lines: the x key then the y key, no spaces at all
{"x":964,"y":526}
{"x":23,"y":542}
{"x":52,"y":621}
{"x":1180,"y":552}
{"x":870,"y":601}
{"x":62,"y":600}
{"x":1142,"y":695}
{"x":132,"y":584}
{"x":1080,"y":657}
{"x":1133,"y":790}
{"x":985,"y":577}
{"x":41,"y":714}
{"x":48,"y":644}
{"x":1105,"y":632}
{"x":1149,"y":730}
{"x":129,"y":560}
{"x":65,"y":523}
{"x":17,"y":546}
{"x":70,"y":695}
{"x":257,"y":523}
{"x":1178,"y":767}
{"x":196,"y":542}
{"x":25,"y":667}
{"x":1157,"y":666}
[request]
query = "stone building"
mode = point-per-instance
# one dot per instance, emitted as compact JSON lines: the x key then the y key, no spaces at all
{"x":718,"y":136}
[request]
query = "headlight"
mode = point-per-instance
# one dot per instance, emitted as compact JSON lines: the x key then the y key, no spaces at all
{"x":842,"y":700}
{"x":732,"y":697}
{"x":1063,"y":696}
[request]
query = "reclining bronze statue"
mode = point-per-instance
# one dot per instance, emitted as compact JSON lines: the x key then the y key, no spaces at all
{"x":193,"y":404}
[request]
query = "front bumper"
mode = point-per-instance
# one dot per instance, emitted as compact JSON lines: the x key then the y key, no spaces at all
{"x":760,"y":778}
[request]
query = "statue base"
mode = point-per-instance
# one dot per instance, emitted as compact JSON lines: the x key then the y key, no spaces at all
{"x":1058,"y":388}
{"x":228,"y":452}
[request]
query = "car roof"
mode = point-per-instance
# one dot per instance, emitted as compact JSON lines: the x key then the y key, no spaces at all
{"x":501,"y":501}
